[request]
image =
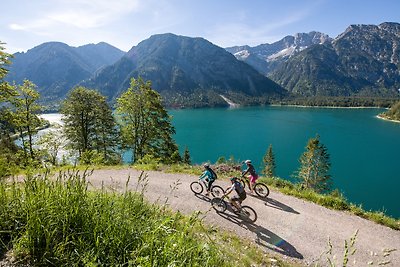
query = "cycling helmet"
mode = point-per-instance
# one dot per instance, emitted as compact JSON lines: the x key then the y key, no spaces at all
{"x":206,"y":165}
{"x":233,"y":179}
{"x":247,"y":161}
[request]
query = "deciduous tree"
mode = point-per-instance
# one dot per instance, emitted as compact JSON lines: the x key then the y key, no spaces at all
{"x":8,"y":149}
{"x":89,"y":125}
{"x":25,"y":117}
{"x":145,"y":124}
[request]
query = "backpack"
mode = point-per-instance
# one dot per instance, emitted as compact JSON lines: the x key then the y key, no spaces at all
{"x":214,"y":175}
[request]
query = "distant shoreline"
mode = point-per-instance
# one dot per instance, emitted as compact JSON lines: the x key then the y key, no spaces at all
{"x":386,"y":119}
{"x":304,"y":106}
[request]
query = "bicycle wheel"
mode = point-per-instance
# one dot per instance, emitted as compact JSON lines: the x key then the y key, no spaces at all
{"x":196,"y":187}
{"x":248,"y":214}
{"x":218,"y":204}
{"x":217,"y":191}
{"x":261,"y":190}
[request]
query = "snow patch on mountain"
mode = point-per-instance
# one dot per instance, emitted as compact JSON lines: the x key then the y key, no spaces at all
{"x":242,"y":55}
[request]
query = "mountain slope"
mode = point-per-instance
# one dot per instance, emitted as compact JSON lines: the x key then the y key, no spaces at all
{"x":186,"y":71}
{"x":266,"y":57}
{"x":56,"y":67}
{"x":363,"y":61}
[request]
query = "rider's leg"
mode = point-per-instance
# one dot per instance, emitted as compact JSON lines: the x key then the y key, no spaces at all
{"x":210,"y":185}
{"x":207,"y":185}
{"x":252,"y":183}
{"x":235,"y":202}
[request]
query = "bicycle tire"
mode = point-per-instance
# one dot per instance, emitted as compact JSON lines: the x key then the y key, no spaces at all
{"x":217,"y":191}
{"x":261,"y":190}
{"x":196,"y":187}
{"x":248,"y":214}
{"x":219,"y":204}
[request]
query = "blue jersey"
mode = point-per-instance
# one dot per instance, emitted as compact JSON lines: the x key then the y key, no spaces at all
{"x":208,"y":175}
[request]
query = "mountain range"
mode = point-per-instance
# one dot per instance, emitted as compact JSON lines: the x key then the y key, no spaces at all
{"x":186,"y":72}
{"x":363,"y":61}
{"x":193,"y":72}
{"x":56,"y":67}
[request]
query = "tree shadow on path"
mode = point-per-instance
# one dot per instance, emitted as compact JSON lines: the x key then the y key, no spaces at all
{"x":270,"y":202}
{"x":264,"y":237}
{"x":273,"y":203}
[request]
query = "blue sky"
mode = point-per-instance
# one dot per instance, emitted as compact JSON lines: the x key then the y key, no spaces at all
{"x":25,"y":24}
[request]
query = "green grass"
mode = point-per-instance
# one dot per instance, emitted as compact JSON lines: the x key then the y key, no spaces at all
{"x":60,"y":222}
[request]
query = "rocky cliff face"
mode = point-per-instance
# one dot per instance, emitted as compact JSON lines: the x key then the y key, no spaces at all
{"x":266,"y":57}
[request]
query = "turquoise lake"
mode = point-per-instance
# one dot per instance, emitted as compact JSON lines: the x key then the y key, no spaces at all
{"x":364,"y":150}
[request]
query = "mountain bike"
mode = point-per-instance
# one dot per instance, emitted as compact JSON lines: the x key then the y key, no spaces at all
{"x":246,"y":213}
{"x":261,"y":189}
{"x":197,"y":187}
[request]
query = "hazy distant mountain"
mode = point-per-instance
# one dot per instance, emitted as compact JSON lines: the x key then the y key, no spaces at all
{"x":266,"y":57}
{"x":364,"y":60}
{"x":187,"y":72}
{"x":56,"y":67}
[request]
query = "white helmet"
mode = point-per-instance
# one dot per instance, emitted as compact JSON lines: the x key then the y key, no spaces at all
{"x":247,"y":161}
{"x":206,"y":165}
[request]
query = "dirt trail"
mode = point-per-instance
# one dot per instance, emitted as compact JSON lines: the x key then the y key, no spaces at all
{"x":294,"y":228}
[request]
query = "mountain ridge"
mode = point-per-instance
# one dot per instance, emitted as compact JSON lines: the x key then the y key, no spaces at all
{"x":183,"y":69}
{"x":56,"y":67}
{"x":361,"y":61}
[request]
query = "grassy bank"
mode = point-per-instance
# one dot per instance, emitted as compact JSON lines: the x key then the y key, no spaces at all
{"x":59,"y":222}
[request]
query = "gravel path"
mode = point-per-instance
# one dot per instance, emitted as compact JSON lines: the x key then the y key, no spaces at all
{"x":296,"y":229}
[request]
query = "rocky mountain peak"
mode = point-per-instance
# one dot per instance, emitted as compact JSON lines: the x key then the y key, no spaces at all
{"x":266,"y":57}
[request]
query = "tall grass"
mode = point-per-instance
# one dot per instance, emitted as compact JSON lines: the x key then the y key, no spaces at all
{"x":60,"y":222}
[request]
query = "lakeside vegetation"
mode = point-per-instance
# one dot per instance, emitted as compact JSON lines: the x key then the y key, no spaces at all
{"x":393,"y":113}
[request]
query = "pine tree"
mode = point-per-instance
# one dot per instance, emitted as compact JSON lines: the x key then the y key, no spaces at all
{"x":315,"y":165}
{"x":269,"y":163}
{"x":186,"y":157}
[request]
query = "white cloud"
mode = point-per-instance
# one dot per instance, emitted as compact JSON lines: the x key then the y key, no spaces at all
{"x":92,"y":14}
{"x":242,"y":33}
{"x":83,"y":14}
{"x":16,"y":27}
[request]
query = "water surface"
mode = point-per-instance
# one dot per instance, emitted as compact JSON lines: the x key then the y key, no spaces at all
{"x":364,"y":150}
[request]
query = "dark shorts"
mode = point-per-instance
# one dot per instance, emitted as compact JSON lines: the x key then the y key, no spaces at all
{"x":239,"y":198}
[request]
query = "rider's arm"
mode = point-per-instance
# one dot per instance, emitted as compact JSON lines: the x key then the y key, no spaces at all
{"x":229,"y":190}
{"x":204,"y":175}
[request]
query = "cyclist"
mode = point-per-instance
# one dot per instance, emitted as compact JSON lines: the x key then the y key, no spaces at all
{"x":240,"y":195}
{"x":209,"y":176}
{"x":253,"y":175}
